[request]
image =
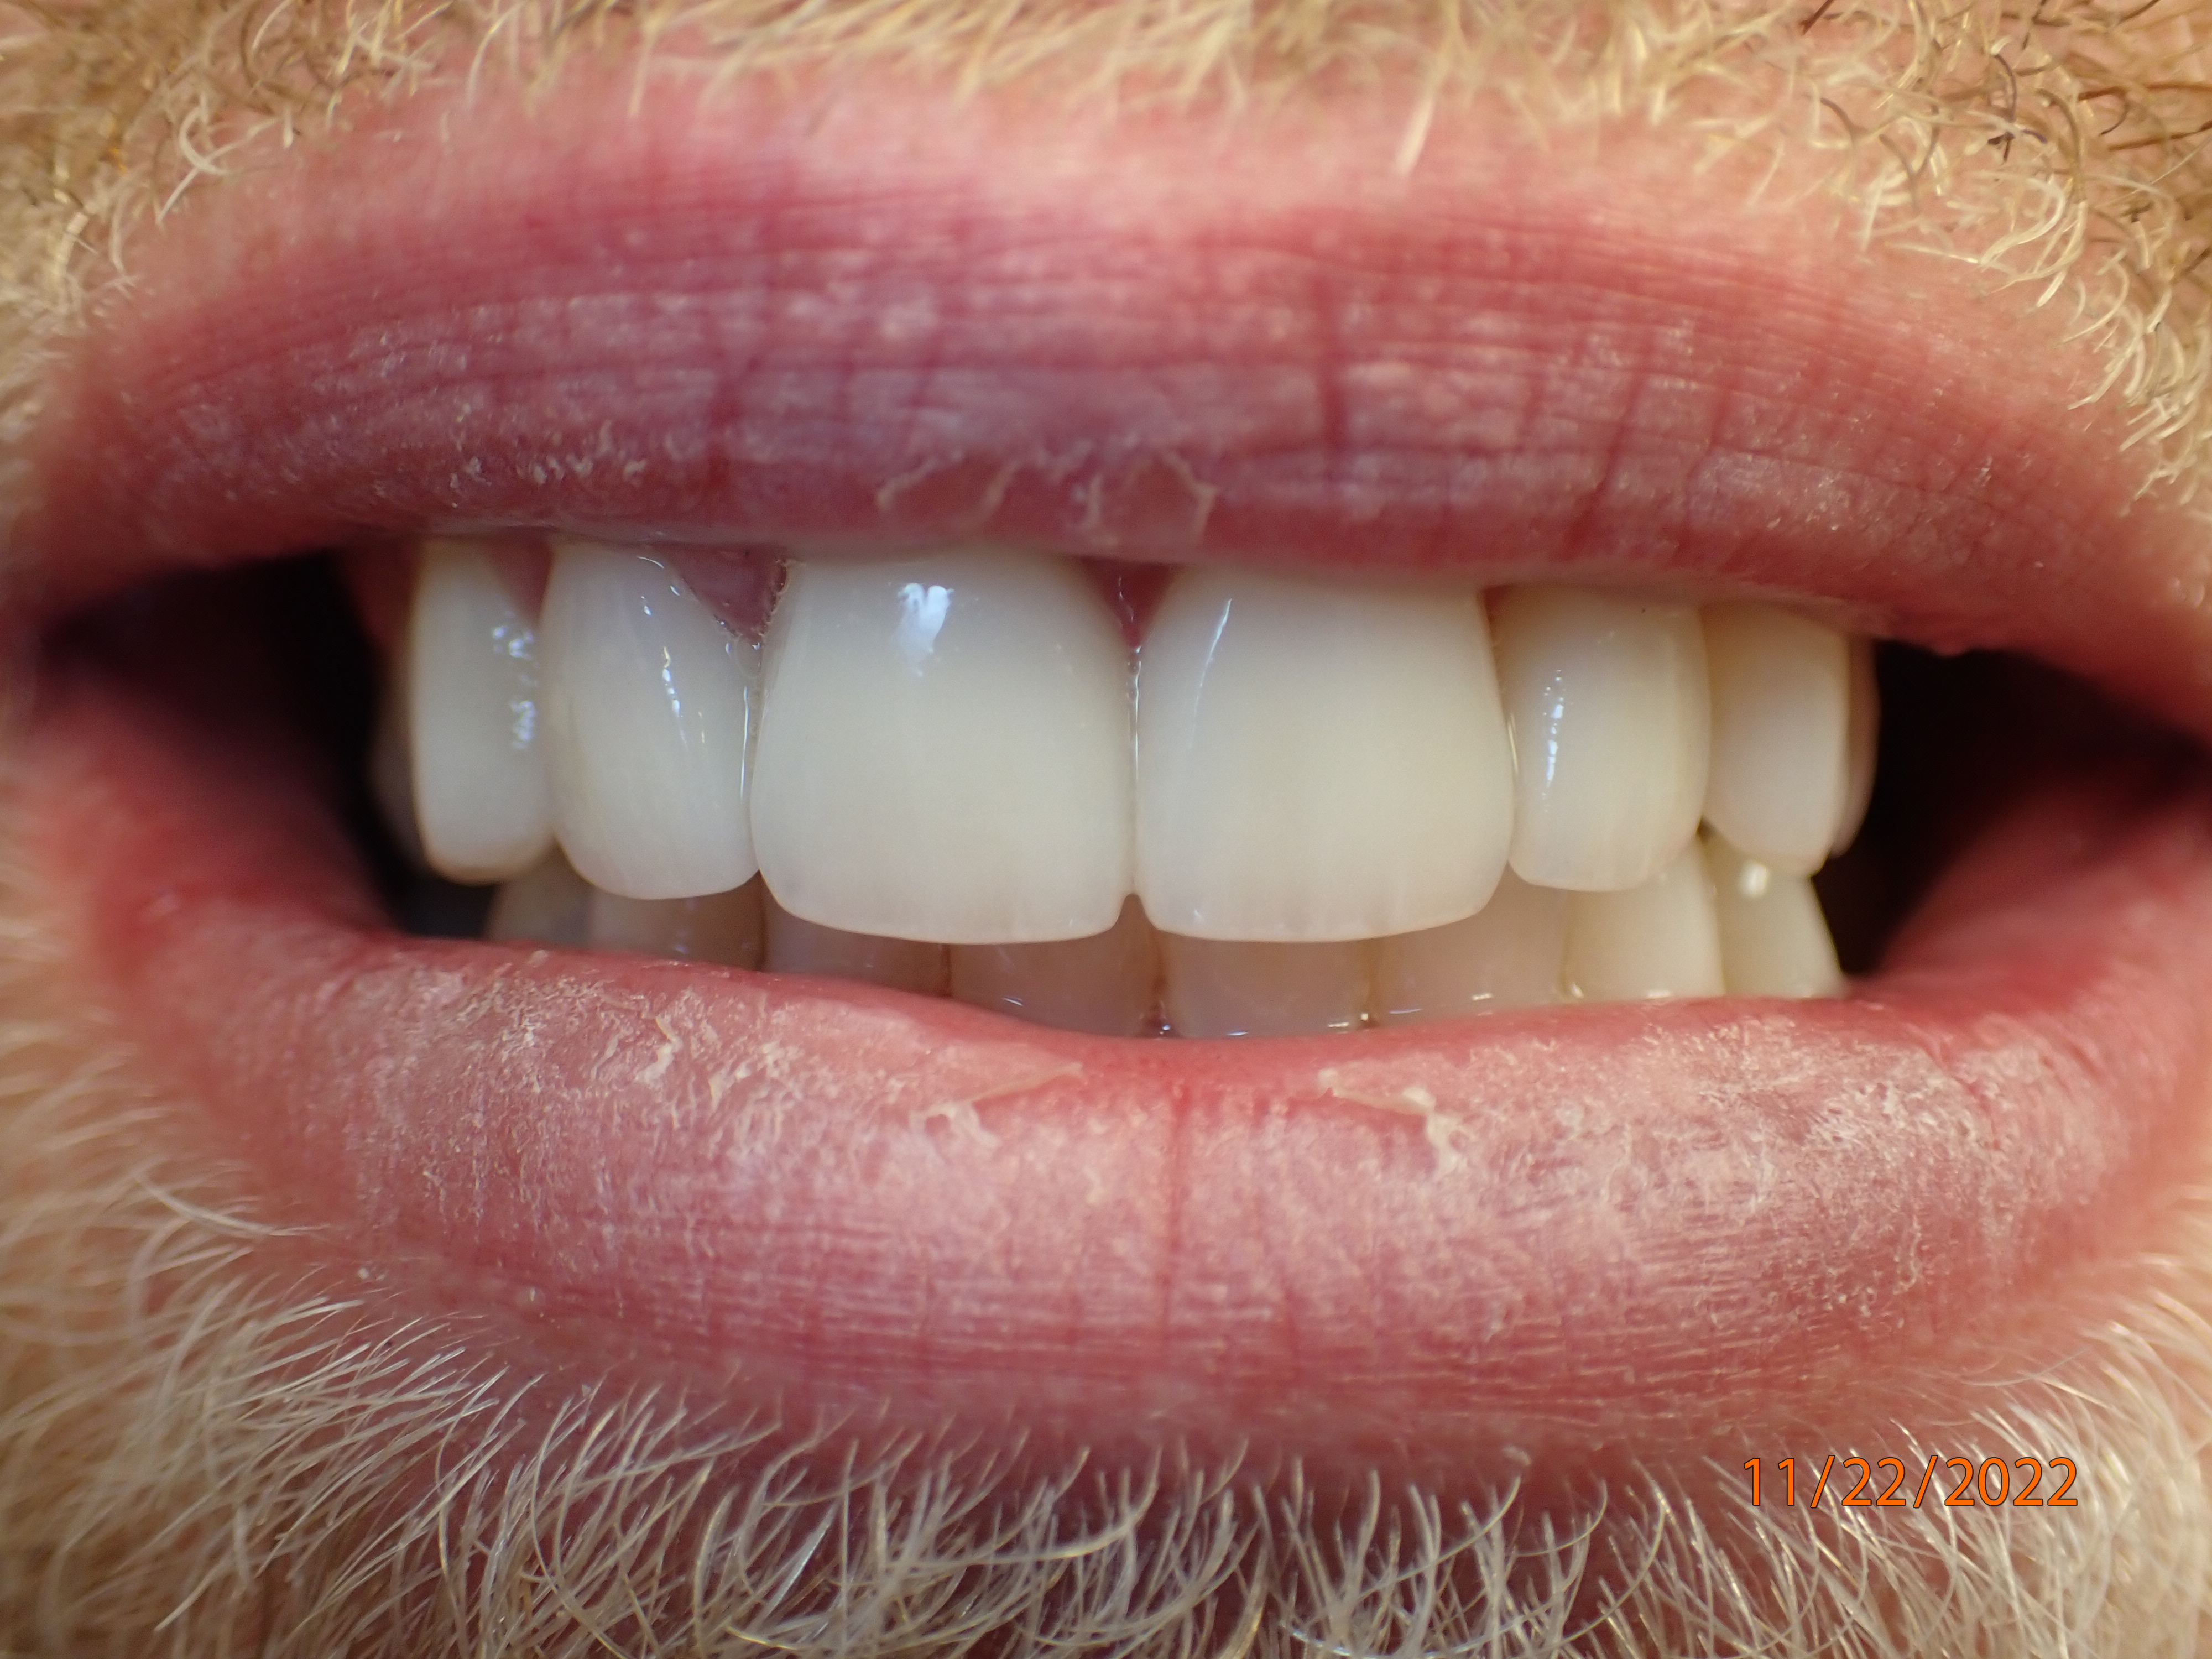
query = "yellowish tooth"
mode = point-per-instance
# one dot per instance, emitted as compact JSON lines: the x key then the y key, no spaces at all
{"x":549,"y":903}
{"x":1657,"y":940}
{"x":797,"y":946}
{"x":1232,"y":987}
{"x":1774,"y":941}
{"x":722,"y":928}
{"x":1107,"y":983}
{"x":1507,"y":955}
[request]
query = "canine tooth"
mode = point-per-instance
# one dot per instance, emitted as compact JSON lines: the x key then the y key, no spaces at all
{"x":1781,"y":759}
{"x":1607,"y":702}
{"x":549,"y":903}
{"x":472,"y":719}
{"x":1660,"y":939}
{"x":649,"y":710}
{"x":1774,"y":941}
{"x":1317,"y":759}
{"x":794,"y":945}
{"x":1237,"y":988}
{"x":944,"y":748}
{"x":1107,"y":983}
{"x":1507,"y":955}
{"x":1860,"y":745}
{"x":724,"y":928}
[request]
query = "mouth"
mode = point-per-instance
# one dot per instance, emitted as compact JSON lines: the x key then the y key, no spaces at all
{"x":1470,"y":1139}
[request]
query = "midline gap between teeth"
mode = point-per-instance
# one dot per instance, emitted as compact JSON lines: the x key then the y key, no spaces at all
{"x":1303,"y":803}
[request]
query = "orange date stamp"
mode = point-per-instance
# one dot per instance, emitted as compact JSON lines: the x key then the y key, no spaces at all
{"x":1892,"y":1483}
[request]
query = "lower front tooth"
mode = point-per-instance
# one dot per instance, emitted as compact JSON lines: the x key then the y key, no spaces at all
{"x":1660,"y":939}
{"x":549,"y":903}
{"x":1108,"y":984}
{"x":480,"y":789}
{"x":649,"y":708}
{"x":1232,"y":987}
{"x":1317,"y":759}
{"x":1774,"y":941}
{"x":1507,"y":955}
{"x":722,"y":928}
{"x":944,"y":748}
{"x":794,"y":945}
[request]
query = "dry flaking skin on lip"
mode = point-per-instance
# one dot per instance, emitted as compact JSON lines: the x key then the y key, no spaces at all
{"x":528,"y":1302}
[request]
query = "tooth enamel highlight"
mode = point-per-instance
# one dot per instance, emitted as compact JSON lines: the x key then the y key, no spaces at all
{"x":1860,"y":744}
{"x":1107,"y":983}
{"x":479,"y":785}
{"x":548,"y":903}
{"x":1660,"y":939}
{"x":794,"y":945}
{"x":1233,"y":988}
{"x":1605,"y":699}
{"x":649,"y":708}
{"x":1781,"y":762}
{"x":724,"y":928}
{"x":1774,"y":941}
{"x":1507,"y":955}
{"x":1317,"y":760}
{"x":944,"y":748}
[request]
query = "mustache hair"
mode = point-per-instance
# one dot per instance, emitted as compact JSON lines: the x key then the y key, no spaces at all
{"x":2057,"y":149}
{"x":207,"y":1449}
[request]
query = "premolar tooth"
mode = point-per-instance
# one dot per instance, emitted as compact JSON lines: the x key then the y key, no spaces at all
{"x":1233,"y":988}
{"x":1781,"y":758}
{"x":1774,"y":941}
{"x":1507,"y":955}
{"x":1860,"y":742}
{"x":549,"y":903}
{"x":1107,"y":983}
{"x":1607,"y":701}
{"x":478,"y":776}
{"x":944,"y":748}
{"x":1660,"y":939}
{"x":650,"y":707}
{"x":794,"y":945}
{"x":1317,"y":760}
{"x":723,"y":928}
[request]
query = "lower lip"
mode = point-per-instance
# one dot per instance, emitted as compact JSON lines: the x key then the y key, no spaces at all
{"x":1522,"y":1230}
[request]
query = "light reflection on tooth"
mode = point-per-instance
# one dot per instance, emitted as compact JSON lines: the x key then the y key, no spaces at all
{"x":722,"y":928}
{"x":481,"y":796}
{"x":548,"y":903}
{"x":1660,"y":939}
{"x":649,"y":708}
{"x":1233,"y":988}
{"x":796,"y":946}
{"x":1860,"y":744}
{"x":1607,"y":701}
{"x":1108,"y":984}
{"x":1774,"y":941}
{"x":944,"y":748}
{"x":1781,"y":765}
{"x":1317,"y":758}
{"x":1508,"y":955}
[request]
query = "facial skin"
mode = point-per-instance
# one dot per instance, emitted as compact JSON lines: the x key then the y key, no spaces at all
{"x":261,"y":1391}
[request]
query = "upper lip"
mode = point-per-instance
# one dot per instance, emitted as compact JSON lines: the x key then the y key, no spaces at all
{"x":805,"y":315}
{"x":811,"y":316}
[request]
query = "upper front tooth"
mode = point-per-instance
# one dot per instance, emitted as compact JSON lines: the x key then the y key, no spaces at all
{"x":1862,"y":739}
{"x":1606,"y":698}
{"x":794,"y":945}
{"x":650,"y":707}
{"x":481,"y":797}
{"x":944,"y":748}
{"x":1781,"y":761}
{"x":1317,"y":759}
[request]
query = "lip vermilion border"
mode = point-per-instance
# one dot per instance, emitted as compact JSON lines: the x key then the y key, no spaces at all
{"x":851,"y":318}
